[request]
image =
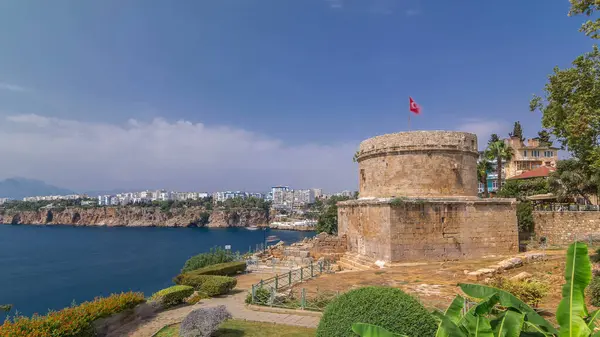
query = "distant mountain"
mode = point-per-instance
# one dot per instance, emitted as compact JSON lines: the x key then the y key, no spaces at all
{"x":18,"y":188}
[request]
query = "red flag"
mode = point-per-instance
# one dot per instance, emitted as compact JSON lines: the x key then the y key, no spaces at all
{"x":414,"y":107}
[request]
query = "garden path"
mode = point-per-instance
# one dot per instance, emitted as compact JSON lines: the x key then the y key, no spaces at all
{"x":234,"y":303}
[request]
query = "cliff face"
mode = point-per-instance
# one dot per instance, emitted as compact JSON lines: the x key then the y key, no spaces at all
{"x":136,"y":217}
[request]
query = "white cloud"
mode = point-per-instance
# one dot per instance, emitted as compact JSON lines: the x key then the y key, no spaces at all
{"x":12,"y":87}
{"x":483,"y":129}
{"x":335,"y":4}
{"x":180,"y":155}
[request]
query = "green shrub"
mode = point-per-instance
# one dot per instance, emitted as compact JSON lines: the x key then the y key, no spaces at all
{"x":191,"y":279}
{"x":217,"y":285}
{"x":214,"y":256}
{"x":223,"y":269}
{"x":389,"y":308}
{"x":195,"y":298}
{"x":73,"y":321}
{"x":525,"y":217}
{"x":261,"y":296}
{"x":171,"y":296}
{"x":596,"y":257}
{"x":528,"y":291}
{"x":594,"y":291}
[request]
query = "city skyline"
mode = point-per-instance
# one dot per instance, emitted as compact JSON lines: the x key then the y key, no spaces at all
{"x":229,"y":95}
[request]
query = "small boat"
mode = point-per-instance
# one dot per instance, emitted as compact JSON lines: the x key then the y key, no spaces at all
{"x":272,"y":238}
{"x":252,"y":228}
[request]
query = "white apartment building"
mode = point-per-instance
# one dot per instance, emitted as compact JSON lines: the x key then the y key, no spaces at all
{"x":284,"y":197}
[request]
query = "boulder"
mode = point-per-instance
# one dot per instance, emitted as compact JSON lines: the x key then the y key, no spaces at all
{"x":521,"y":276}
{"x":530,"y":257}
{"x":507,"y":264}
{"x":203,"y":322}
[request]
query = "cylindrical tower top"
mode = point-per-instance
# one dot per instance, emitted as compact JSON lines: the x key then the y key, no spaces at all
{"x":418,"y":163}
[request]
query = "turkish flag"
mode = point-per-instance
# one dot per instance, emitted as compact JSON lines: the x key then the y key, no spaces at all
{"x":414,"y":107}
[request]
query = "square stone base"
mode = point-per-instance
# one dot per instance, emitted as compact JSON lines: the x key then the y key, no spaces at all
{"x":429,"y":229}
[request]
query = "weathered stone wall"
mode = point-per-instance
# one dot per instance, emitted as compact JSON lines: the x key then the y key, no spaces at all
{"x":366,"y":226}
{"x":413,"y":229}
{"x":331,"y":247}
{"x":562,"y":228}
{"x":418,"y":163}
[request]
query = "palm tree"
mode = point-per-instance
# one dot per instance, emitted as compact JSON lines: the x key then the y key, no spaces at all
{"x":499,"y":151}
{"x":483,"y":168}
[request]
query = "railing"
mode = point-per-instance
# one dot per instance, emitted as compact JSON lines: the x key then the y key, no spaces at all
{"x":267,"y":291}
{"x":557,"y":207}
{"x":302,"y":299}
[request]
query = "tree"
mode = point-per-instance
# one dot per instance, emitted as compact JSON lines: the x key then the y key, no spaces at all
{"x":571,"y":108}
{"x":517,"y":131}
{"x":355,"y":158}
{"x":587,"y":8}
{"x":522,"y":188}
{"x":493,"y":138}
{"x":571,"y":180}
{"x":499,"y":151}
{"x":483,"y":168}
{"x":544,"y":138}
{"x":328,"y":219}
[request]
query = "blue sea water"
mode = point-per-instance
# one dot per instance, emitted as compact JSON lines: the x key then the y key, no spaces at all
{"x":49,"y":267}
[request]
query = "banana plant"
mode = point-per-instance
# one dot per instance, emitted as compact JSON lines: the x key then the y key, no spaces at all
{"x":500,"y":314}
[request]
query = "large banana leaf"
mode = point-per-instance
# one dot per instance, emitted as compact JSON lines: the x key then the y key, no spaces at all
{"x":591,"y":321}
{"x":449,"y":326}
{"x":509,"y":324}
{"x":475,"y":320}
{"x":533,"y":330}
{"x":453,"y":313}
{"x":370,"y":330}
{"x":572,"y":310}
{"x":508,"y":300}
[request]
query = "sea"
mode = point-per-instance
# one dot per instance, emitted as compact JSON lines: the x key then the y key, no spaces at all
{"x":51,"y":267}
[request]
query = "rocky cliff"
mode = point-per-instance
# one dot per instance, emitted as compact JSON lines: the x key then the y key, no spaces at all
{"x":136,"y":217}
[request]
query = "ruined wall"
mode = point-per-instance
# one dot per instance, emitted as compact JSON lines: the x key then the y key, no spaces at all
{"x":331,"y":247}
{"x":366,"y":226}
{"x":429,"y":229}
{"x":418,"y":163}
{"x":562,"y":228}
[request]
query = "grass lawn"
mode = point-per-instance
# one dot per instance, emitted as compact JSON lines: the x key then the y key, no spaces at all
{"x":237,"y":328}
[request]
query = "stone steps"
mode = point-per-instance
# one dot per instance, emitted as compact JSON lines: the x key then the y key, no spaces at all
{"x":356,"y":262}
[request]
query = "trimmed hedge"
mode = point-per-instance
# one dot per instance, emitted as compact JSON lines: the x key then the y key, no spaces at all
{"x":222,"y":269}
{"x":192,"y":280}
{"x":71,"y":322}
{"x":217,"y":285}
{"x":210,"y":285}
{"x":389,"y":308}
{"x":171,"y":296}
{"x":214,"y":256}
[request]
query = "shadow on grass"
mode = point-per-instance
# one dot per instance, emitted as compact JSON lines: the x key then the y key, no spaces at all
{"x":228,"y":333}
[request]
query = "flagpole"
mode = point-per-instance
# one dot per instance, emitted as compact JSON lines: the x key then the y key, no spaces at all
{"x":409,"y":117}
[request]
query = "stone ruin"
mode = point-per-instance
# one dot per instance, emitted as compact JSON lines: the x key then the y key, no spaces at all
{"x":322,"y":246}
{"x":418,"y":201}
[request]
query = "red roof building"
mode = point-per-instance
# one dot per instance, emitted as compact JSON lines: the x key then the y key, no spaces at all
{"x":540,"y":172}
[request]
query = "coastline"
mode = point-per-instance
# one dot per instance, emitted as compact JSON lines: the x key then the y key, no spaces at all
{"x":115,"y":216}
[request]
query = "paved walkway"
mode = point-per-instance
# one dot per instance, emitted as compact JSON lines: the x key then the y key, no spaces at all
{"x":234,"y":303}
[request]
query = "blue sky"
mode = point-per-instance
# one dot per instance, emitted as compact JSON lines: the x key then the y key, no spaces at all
{"x":244,"y":94}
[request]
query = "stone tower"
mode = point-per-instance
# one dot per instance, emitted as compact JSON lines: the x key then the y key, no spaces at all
{"x":418,"y":201}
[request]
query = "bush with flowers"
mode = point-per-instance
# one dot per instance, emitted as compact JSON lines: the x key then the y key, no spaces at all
{"x":75,"y":321}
